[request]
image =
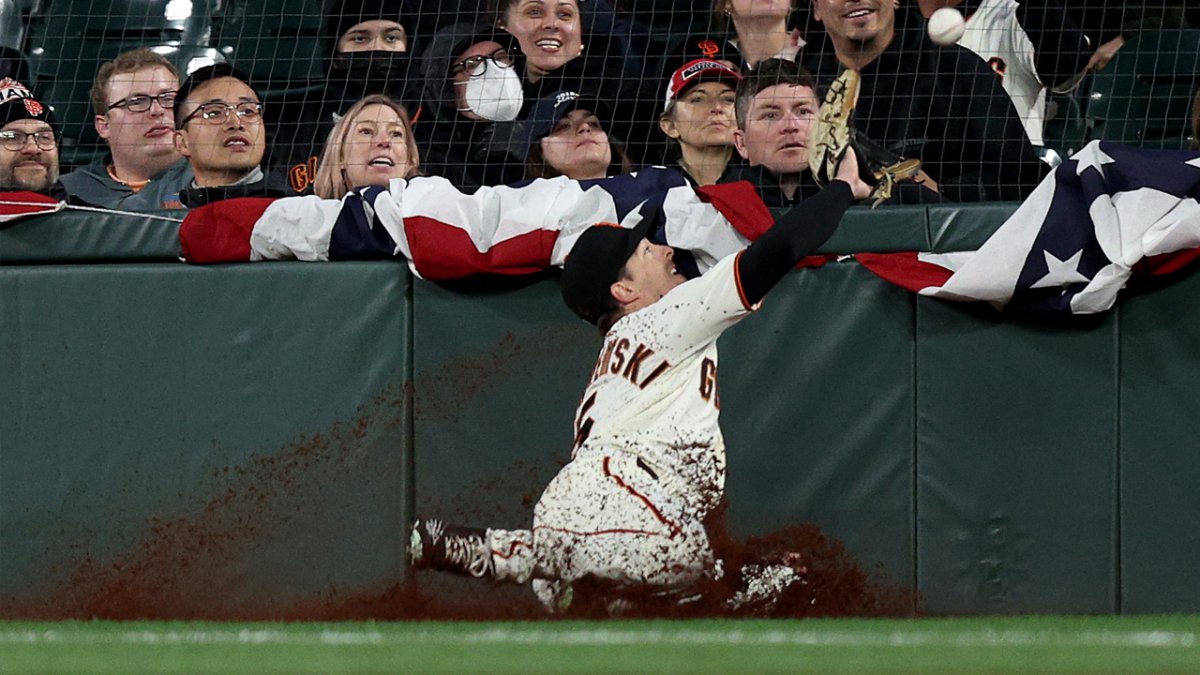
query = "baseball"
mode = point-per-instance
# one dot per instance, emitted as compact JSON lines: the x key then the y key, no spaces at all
{"x":946,"y":26}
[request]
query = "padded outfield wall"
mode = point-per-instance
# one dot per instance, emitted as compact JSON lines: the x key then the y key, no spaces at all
{"x":247,"y":440}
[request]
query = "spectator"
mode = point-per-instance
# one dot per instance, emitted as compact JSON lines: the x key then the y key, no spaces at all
{"x":133,"y":97}
{"x":550,"y":32}
{"x":219,"y":129}
{"x":371,"y":53}
{"x":698,"y":115}
{"x":765,"y":29}
{"x":776,"y":106}
{"x":566,"y":137}
{"x":28,"y":142}
{"x":470,"y":85}
{"x":370,"y":145}
{"x":942,"y":105}
{"x":563,"y":50}
{"x":1032,"y":46}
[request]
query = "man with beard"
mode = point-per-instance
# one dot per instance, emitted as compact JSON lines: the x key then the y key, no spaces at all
{"x":28,"y":143}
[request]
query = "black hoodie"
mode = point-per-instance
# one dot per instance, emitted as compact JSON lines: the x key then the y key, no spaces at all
{"x":945,"y":106}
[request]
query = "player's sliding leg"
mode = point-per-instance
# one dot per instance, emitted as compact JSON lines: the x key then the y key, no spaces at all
{"x":607,"y":520}
{"x":502,"y":555}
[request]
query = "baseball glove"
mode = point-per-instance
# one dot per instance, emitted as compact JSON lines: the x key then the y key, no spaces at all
{"x":832,"y":133}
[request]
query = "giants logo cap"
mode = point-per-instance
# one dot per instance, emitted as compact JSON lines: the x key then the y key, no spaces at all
{"x":696,"y":71}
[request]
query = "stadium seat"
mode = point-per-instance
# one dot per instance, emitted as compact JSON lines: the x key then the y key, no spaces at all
{"x":12,"y":27}
{"x":67,"y":40}
{"x":1142,"y":97}
{"x":277,"y":43}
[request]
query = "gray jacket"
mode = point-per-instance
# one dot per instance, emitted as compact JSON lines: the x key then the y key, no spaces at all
{"x":92,"y":185}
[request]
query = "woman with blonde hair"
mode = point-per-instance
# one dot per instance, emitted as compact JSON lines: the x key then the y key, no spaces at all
{"x":372,"y":144}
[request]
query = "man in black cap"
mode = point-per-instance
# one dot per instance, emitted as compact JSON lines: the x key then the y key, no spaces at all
{"x":28,"y":143}
{"x":219,"y":129}
{"x":624,"y":519}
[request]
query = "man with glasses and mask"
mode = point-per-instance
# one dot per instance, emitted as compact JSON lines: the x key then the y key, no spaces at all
{"x":133,"y":96}
{"x":28,"y":143}
{"x":472,"y":95}
{"x":219,"y":129}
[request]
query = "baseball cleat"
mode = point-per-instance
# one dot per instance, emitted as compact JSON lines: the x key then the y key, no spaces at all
{"x":764,"y":584}
{"x":462,"y":550}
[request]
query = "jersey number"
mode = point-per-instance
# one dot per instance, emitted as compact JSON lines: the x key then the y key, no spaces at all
{"x":583,"y":423}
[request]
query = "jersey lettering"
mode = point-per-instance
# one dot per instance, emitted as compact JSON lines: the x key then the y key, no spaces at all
{"x":619,"y":353}
{"x":615,"y":360}
{"x":708,"y":383}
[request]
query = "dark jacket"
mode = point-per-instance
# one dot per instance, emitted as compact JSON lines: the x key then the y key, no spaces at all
{"x":272,"y":184}
{"x":945,"y":106}
{"x":773,"y":196}
{"x":452,"y":146}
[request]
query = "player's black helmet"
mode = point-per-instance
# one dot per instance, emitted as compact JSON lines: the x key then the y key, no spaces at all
{"x":595,"y":263}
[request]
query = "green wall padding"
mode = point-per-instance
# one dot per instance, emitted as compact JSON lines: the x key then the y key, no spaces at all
{"x":1016,"y":443}
{"x":817,"y":409}
{"x":210,"y":442}
{"x":1160,"y":450}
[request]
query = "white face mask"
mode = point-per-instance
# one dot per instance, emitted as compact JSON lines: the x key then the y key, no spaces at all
{"x":495,"y":94}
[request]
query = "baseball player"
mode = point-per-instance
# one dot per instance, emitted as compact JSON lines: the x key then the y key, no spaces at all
{"x":624,"y":518}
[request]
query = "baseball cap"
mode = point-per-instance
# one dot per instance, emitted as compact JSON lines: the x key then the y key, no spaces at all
{"x":703,"y":46}
{"x":207,"y":74}
{"x":595,"y":263}
{"x":547,"y":112}
{"x":696,"y":71}
{"x":18,"y":103}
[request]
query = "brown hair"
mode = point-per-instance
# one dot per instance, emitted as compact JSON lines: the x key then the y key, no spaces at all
{"x":128,"y":62}
{"x":330,"y":182}
{"x":767,"y":74}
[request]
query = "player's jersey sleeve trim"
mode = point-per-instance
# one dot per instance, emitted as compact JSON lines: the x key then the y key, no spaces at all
{"x":737,"y":279}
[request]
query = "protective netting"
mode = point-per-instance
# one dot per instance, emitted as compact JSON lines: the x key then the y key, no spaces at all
{"x":619,"y":55}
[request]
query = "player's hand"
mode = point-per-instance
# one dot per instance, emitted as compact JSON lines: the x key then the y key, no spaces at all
{"x":847,"y":171}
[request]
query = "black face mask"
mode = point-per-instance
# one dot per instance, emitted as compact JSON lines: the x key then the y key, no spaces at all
{"x":354,"y":75}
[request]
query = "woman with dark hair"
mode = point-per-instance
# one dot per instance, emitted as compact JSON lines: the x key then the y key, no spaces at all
{"x":372,"y":144}
{"x":765,"y":29}
{"x":566,"y":137}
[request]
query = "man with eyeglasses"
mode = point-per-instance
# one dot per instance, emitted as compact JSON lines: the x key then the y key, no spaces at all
{"x":133,"y":96}
{"x":219,"y":129}
{"x":28,"y":143}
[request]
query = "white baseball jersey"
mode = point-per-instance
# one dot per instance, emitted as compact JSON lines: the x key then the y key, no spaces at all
{"x":653,"y":390}
{"x":649,"y":458}
{"x":994,"y":33}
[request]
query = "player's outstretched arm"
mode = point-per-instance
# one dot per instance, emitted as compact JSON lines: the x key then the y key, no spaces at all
{"x":800,"y":231}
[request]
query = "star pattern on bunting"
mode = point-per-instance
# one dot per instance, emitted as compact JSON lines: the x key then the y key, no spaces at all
{"x":1092,"y":156}
{"x":1061,"y":272}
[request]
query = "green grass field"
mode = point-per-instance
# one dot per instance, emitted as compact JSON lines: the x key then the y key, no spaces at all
{"x":1158,"y":644}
